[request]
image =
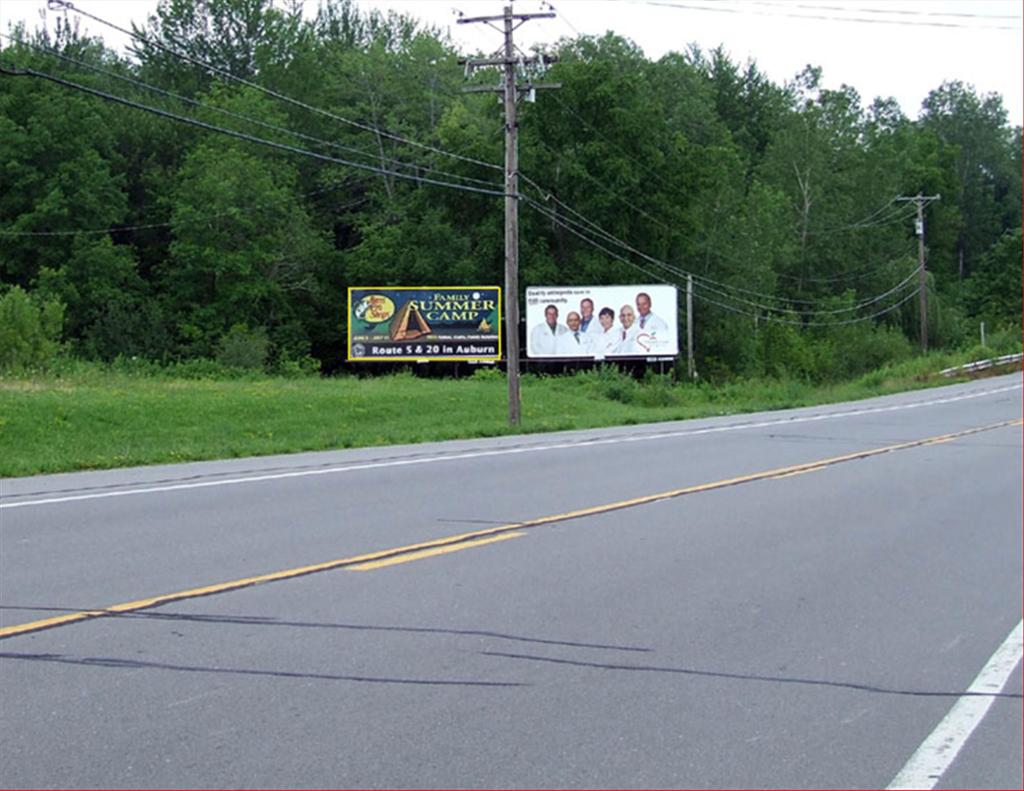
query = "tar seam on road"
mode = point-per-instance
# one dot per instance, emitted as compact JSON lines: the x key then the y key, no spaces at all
{"x":429,"y":553}
{"x":472,"y":539}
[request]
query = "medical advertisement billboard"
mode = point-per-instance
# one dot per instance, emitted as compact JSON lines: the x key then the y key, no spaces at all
{"x":598,"y":322}
{"x":443,"y":323}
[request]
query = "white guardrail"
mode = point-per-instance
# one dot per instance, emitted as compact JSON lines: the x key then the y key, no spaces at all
{"x":981,"y":365}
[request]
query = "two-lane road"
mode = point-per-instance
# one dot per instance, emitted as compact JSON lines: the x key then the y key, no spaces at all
{"x":826,"y":597}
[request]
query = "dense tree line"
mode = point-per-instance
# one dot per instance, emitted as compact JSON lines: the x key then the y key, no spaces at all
{"x":154,"y":238}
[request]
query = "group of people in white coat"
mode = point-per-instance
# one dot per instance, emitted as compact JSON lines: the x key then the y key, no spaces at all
{"x":585,"y":334}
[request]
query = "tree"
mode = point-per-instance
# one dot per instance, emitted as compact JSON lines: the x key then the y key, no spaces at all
{"x":993,"y":291}
{"x":244,"y":249}
{"x":973,"y":133}
{"x":58,"y":171}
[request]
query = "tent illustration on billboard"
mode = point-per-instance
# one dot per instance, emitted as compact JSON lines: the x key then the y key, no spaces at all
{"x":408,"y":323}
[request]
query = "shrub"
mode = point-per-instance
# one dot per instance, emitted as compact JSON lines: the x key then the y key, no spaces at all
{"x":203,"y":368}
{"x":29,"y":330}
{"x":129,"y":328}
{"x":242,"y":347}
{"x":607,"y":381}
{"x":295,"y":368}
{"x":488,"y":373}
{"x":657,"y":390}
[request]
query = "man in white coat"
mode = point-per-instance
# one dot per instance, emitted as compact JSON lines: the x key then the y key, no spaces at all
{"x":544,"y":337}
{"x":589,"y":323}
{"x":647,"y":321}
{"x":575,"y":342}
{"x":627,"y":331}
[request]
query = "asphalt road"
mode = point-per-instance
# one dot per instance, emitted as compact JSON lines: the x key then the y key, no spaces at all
{"x":785,"y":600}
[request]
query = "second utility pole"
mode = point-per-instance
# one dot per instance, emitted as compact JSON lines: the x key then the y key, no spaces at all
{"x":511,"y":95}
{"x":920,"y":200}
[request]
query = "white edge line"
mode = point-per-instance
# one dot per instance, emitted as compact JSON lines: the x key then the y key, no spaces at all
{"x":497,"y":452}
{"x":931,"y":760}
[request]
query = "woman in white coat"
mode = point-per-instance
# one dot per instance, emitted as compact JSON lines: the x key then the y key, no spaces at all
{"x":607,"y":340}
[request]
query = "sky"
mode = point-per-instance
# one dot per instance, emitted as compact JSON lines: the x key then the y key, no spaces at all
{"x":890,"y":48}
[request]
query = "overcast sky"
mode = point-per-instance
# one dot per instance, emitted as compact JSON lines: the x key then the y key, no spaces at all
{"x":899,"y":48}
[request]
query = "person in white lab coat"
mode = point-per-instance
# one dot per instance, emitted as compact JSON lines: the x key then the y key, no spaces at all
{"x":544,"y":337}
{"x":608,"y":341}
{"x":627,"y":331}
{"x":589,"y":323}
{"x":647,"y":321}
{"x":574,"y":342}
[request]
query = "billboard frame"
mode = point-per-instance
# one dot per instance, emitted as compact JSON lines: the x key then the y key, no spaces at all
{"x":563,"y":295}
{"x":426,"y":356}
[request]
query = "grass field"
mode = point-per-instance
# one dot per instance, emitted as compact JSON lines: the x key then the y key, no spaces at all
{"x":89,"y":417}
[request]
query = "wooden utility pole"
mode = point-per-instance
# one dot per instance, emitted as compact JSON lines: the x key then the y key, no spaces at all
{"x":512,"y":92}
{"x":691,"y":372}
{"x":920,"y":200}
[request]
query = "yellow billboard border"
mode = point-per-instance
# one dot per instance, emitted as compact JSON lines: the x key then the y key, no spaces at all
{"x":348,"y":326}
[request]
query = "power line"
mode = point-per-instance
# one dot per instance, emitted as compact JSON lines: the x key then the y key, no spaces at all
{"x":763,"y":316}
{"x":704,"y":280}
{"x":248,"y":119}
{"x":280,"y":96}
{"x":891,"y":214}
{"x":314,"y":154}
{"x":850,"y":309}
{"x":115,"y":228}
{"x":563,"y":17}
{"x":642,"y":165}
{"x":242,"y":135}
{"x":593,"y":179}
{"x":854,"y":275}
{"x":893,"y":11}
{"x":898,"y":214}
{"x":681,"y":272}
{"x":798,"y":323}
{"x":825,"y":17}
{"x":845,"y":276}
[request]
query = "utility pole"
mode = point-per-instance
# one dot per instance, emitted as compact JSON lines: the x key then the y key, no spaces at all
{"x":691,"y":372}
{"x":920,"y":200}
{"x":511,"y":92}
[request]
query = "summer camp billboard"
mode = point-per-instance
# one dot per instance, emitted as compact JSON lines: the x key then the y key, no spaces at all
{"x":602,"y":322}
{"x":444,"y":323}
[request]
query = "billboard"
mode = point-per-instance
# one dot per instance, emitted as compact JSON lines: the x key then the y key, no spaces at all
{"x":598,"y":322}
{"x":443,"y":323}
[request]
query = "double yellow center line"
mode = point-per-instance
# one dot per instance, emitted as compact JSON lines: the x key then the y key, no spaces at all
{"x":389,"y":557}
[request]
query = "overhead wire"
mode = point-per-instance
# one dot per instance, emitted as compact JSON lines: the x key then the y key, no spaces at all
{"x":249,"y":119}
{"x":705,"y":281}
{"x":117,"y":228}
{"x":717,"y":8}
{"x":242,"y":136}
{"x":798,"y":323}
{"x":722,"y":289}
{"x":831,"y":311}
{"x":268,"y":91}
{"x":886,"y":215}
{"x":767,"y":316}
{"x":871,"y":221}
{"x":892,"y":11}
{"x":293,"y":149}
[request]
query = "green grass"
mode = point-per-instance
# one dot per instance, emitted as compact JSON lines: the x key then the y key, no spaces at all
{"x":90,"y":417}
